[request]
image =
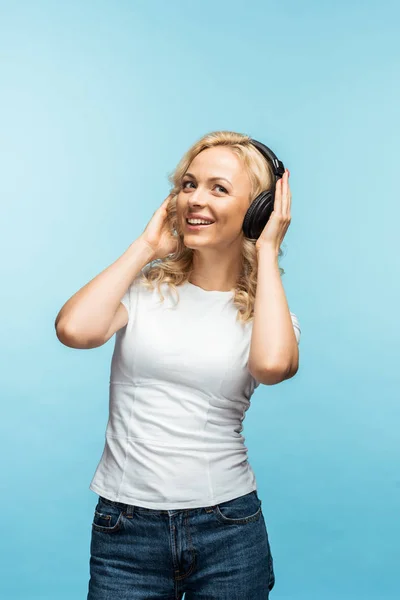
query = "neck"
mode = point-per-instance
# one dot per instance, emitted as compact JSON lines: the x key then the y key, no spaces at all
{"x":212,"y":271}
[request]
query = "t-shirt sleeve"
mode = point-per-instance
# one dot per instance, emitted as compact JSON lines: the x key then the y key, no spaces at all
{"x":126,"y":299}
{"x":296,"y":327}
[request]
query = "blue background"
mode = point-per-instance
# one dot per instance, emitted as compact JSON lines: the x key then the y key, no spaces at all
{"x":99,"y":100}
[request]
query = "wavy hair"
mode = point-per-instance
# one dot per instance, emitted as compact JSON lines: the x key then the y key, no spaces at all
{"x":176,"y":268}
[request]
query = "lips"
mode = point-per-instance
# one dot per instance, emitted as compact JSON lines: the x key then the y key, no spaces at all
{"x":198,"y":225}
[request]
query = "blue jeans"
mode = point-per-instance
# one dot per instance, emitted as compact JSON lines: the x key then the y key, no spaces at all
{"x":219,"y":552}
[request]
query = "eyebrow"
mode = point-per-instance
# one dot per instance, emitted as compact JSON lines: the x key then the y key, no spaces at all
{"x":210,"y":178}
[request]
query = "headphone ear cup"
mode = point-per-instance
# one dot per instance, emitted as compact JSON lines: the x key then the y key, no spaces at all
{"x":258,"y":214}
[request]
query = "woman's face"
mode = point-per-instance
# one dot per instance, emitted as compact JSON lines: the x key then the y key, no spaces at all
{"x":217,"y":186}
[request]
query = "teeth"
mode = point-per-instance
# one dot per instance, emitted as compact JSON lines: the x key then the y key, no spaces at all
{"x":198,"y":221}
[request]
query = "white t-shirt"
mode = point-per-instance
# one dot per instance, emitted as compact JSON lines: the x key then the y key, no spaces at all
{"x":179,"y":391}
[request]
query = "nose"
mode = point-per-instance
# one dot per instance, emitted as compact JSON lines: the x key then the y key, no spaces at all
{"x":196,"y":198}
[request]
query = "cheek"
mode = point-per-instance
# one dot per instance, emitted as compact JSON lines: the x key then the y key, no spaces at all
{"x":181,"y":203}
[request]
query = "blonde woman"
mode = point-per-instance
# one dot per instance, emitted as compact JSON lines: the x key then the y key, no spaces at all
{"x":201,"y":319}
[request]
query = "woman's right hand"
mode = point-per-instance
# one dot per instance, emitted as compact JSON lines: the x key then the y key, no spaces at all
{"x":157,"y":234}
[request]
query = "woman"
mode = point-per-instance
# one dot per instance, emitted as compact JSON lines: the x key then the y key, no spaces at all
{"x":201,"y":319}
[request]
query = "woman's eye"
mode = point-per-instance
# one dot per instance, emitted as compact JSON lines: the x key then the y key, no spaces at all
{"x":218,"y":186}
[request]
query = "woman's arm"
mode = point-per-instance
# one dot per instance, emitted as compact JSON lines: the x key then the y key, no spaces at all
{"x":274,"y":353}
{"x":85,"y":319}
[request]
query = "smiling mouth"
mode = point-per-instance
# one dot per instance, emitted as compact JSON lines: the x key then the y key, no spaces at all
{"x":197,"y":225}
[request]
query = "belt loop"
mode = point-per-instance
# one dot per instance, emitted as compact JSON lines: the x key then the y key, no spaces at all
{"x":129,"y":510}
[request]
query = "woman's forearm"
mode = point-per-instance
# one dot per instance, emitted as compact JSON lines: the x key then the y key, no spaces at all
{"x":273,"y":346}
{"x":89,"y":312}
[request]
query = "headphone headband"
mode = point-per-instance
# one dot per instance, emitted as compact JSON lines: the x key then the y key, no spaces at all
{"x":276,"y":164}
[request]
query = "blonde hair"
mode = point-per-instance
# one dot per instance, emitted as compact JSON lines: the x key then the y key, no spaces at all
{"x":176,"y":268}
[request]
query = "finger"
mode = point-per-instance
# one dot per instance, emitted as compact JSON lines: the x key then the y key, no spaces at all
{"x":166,"y":201}
{"x":278,"y":197}
{"x":285,"y":193}
{"x":289,"y":195}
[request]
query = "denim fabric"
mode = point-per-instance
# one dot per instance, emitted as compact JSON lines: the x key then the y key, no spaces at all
{"x":219,"y":552}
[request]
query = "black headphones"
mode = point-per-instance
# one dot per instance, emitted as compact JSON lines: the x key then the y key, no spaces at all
{"x":261,"y":208}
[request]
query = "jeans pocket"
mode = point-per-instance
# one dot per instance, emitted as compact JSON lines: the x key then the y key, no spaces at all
{"x":241,"y":510}
{"x":107,"y":518}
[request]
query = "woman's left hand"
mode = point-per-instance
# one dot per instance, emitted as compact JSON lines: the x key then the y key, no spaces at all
{"x":278,"y":223}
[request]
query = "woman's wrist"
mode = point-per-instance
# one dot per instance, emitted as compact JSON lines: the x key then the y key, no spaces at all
{"x":267,"y":251}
